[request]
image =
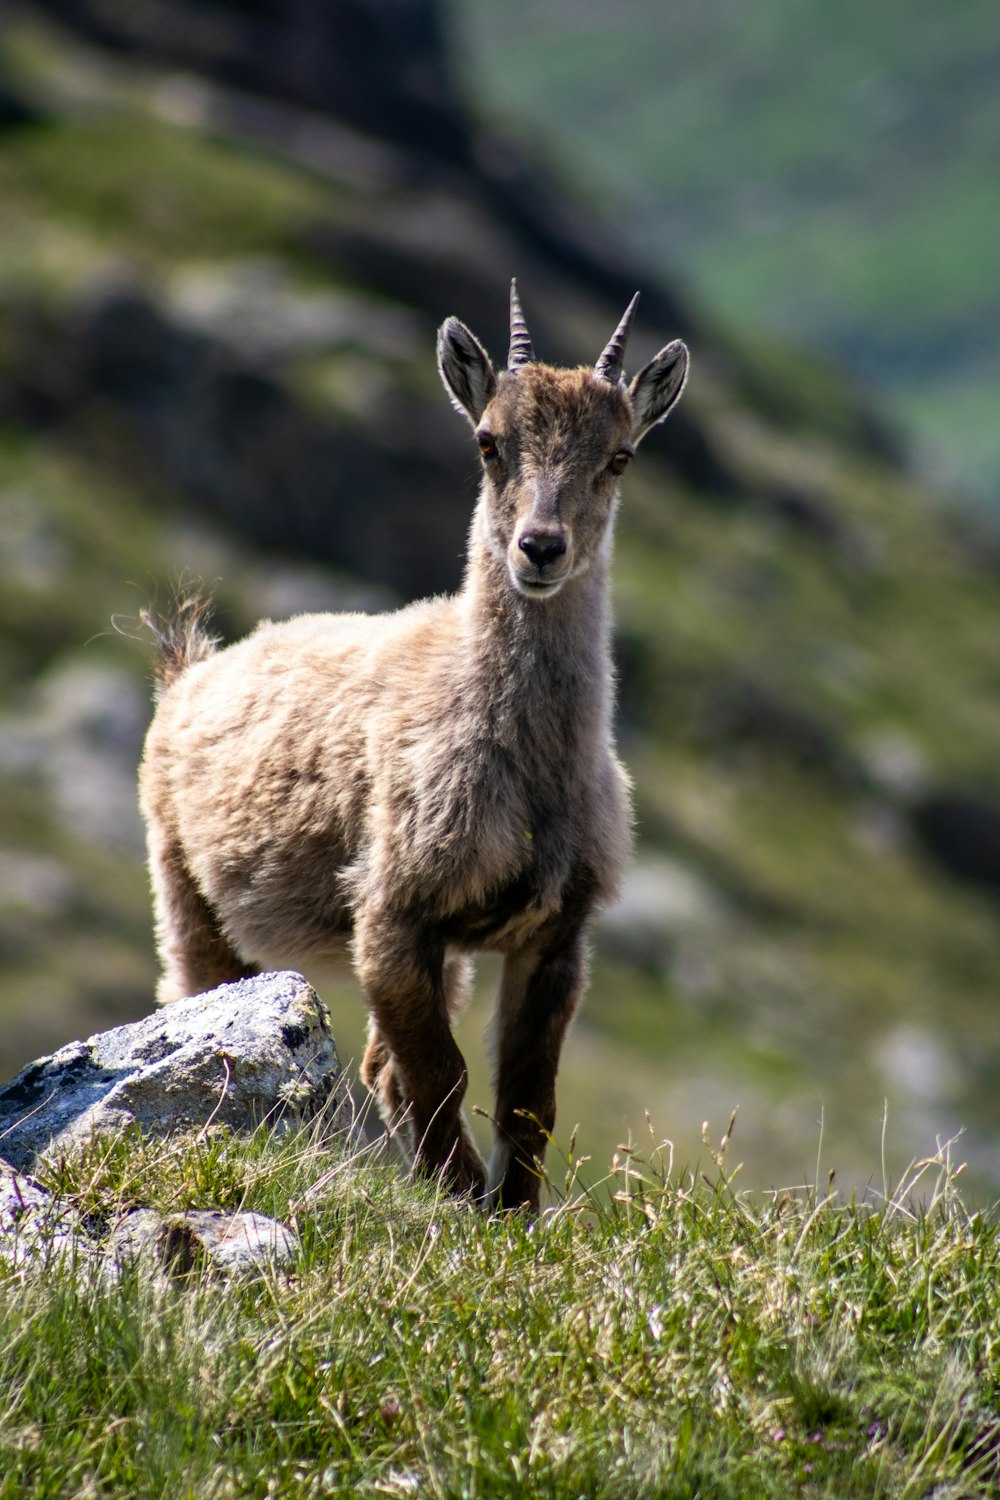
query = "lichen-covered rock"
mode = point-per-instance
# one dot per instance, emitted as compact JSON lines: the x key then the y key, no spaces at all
{"x":258,"y":1049}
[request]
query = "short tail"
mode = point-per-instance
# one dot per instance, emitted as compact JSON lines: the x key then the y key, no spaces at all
{"x":182,"y":637}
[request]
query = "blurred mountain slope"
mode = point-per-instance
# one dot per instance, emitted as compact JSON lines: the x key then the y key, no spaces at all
{"x":827,"y":173}
{"x":217,"y":314}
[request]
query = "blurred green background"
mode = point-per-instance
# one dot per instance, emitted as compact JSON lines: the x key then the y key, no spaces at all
{"x":822,"y":174}
{"x":229,"y":233}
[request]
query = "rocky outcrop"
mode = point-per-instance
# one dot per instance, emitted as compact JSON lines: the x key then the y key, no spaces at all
{"x":259,"y":1049}
{"x":226,"y":433}
{"x":384,"y":69}
{"x":381,"y":65}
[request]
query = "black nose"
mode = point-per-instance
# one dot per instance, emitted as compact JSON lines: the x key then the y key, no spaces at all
{"x":541,"y":549}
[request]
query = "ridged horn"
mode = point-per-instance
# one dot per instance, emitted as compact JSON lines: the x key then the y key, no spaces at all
{"x":609,"y":366}
{"x":521,"y":352}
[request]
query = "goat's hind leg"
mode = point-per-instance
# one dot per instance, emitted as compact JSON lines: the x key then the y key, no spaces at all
{"x":411,"y":1062}
{"x":194,"y":954}
{"x":379,"y":1077}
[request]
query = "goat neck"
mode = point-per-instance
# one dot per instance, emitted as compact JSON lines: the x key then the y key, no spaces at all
{"x":545,"y":664}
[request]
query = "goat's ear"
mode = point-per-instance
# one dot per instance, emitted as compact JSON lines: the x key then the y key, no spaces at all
{"x":657,"y":387}
{"x":465,"y":369}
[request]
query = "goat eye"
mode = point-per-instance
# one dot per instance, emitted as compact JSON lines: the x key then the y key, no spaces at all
{"x":487,"y":445}
{"x":619,"y":463}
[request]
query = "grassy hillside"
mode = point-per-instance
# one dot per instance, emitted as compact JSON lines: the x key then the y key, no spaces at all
{"x":681,"y":1340}
{"x":209,"y":350}
{"x":826,"y":174}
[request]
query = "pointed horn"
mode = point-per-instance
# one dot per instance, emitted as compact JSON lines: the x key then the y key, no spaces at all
{"x":521,"y":352}
{"x":609,"y":366}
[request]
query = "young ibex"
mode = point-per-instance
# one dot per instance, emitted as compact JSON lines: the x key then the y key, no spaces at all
{"x":426,"y":783}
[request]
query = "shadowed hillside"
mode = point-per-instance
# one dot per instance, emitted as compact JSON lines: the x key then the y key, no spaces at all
{"x":223,"y":265}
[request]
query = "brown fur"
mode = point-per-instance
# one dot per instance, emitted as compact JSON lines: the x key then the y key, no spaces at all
{"x":421,"y":785}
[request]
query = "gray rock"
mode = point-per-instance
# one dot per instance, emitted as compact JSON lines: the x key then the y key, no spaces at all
{"x":180,"y":1242}
{"x":257,"y":1049}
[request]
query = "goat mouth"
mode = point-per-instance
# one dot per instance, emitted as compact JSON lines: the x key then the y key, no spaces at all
{"x":536,"y":587}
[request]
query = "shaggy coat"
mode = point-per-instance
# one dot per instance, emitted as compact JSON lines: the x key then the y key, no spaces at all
{"x":429,"y":783}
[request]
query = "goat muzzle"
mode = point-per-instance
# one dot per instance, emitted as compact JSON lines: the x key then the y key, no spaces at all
{"x":539,"y":561}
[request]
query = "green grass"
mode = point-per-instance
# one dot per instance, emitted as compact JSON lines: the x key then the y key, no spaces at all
{"x":126,"y":184}
{"x":679,"y":1339}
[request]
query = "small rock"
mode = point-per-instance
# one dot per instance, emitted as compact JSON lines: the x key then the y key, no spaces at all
{"x":180,"y":1242}
{"x":895,"y":765}
{"x":916,"y":1063}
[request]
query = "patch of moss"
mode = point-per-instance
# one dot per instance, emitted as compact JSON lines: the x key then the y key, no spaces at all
{"x":140,"y":189}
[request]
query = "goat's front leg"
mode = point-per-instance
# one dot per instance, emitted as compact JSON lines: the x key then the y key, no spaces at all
{"x":412,"y":1061}
{"x":539,"y":994}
